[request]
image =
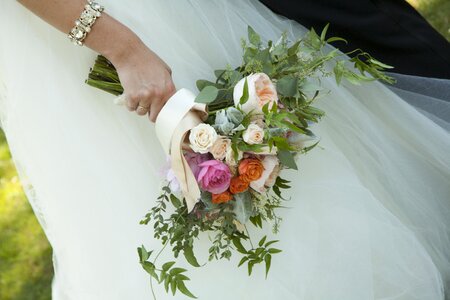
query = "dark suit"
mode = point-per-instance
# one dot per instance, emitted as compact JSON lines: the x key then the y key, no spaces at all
{"x":390,"y":30}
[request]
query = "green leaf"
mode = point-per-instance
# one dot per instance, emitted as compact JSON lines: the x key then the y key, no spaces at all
{"x":150,"y":269}
{"x":245,"y":94}
{"x":175,"y":201}
{"x":323,"y":35}
{"x":167,"y":282}
{"x":274,"y":250}
{"x":173,"y":286}
{"x":262,"y":241}
{"x":287,"y":159}
{"x":207,"y":95}
{"x":243,"y":207}
{"x":294,"y":48}
{"x":268,"y":260}
{"x":201,"y":84}
{"x":243,"y":260}
{"x":270,"y":243}
{"x":380,"y":64}
{"x":190,"y":257}
{"x":253,"y":37}
{"x":336,"y":39}
{"x":250,"y":267}
{"x":182,"y":288}
{"x":288,"y":86}
{"x":239,"y":247}
{"x":176,"y":271}
{"x":143,"y":254}
{"x":168,"y":265}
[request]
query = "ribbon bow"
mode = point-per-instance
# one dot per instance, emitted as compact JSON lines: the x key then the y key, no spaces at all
{"x":178,"y":116}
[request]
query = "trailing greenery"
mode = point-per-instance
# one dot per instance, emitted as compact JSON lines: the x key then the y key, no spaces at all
{"x":297,"y":69}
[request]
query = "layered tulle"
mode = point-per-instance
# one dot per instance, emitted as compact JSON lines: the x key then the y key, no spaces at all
{"x":369,"y":216}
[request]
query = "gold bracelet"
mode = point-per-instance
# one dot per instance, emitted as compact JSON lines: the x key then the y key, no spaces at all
{"x":92,"y":11}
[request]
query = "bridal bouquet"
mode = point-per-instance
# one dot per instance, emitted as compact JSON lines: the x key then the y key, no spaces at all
{"x":229,"y":145}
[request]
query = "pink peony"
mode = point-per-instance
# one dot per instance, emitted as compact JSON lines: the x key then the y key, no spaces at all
{"x":195,"y":159}
{"x":214,"y":176}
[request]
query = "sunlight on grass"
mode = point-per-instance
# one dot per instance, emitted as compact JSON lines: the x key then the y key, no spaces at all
{"x":25,"y":255}
{"x":437,"y":12}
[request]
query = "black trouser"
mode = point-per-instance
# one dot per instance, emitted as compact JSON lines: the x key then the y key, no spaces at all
{"x":390,"y":30}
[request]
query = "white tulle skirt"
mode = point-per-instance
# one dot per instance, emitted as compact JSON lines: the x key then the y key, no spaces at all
{"x":370,"y":211}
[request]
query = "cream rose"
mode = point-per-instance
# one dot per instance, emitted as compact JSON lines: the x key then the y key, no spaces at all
{"x":253,"y":134}
{"x":270,"y":173}
{"x":229,"y":157}
{"x":220,"y":148}
{"x":202,"y":138}
{"x":261,"y":91}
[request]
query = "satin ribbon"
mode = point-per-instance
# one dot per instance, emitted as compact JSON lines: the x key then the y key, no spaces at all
{"x":178,"y":116}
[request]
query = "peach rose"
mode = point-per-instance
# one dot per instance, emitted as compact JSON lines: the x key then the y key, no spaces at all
{"x":222,"y":198}
{"x":251,"y":169}
{"x":270,"y":174}
{"x":220,"y":147}
{"x":238,"y":185}
{"x":261,"y":91}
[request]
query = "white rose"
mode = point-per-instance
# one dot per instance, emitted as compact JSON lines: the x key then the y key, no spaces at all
{"x":261,"y":91}
{"x":220,"y":148}
{"x":253,"y":134}
{"x":270,"y":173}
{"x":202,"y":137}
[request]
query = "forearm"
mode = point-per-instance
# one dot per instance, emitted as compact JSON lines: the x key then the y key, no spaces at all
{"x":108,"y":36}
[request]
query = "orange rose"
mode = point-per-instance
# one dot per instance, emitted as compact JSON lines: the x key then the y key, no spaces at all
{"x":221,"y":198}
{"x":251,"y":169}
{"x":238,"y":185}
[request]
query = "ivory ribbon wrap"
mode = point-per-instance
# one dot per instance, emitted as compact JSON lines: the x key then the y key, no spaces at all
{"x":176,"y":119}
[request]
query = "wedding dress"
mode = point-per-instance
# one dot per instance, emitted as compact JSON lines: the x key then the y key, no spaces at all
{"x":370,"y":211}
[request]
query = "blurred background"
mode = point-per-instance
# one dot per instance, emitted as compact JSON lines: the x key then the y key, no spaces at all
{"x":26,"y":268}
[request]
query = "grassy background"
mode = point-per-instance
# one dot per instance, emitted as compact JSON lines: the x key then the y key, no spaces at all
{"x":25,"y":255}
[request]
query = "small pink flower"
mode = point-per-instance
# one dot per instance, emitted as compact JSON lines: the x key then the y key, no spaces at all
{"x":195,"y":159}
{"x":214,"y":176}
{"x":167,"y":172}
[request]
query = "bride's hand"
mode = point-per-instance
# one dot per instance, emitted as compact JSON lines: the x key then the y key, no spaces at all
{"x":146,"y":78}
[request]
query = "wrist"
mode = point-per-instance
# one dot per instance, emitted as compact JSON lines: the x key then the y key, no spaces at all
{"x":119,"y":51}
{"x":113,"y":40}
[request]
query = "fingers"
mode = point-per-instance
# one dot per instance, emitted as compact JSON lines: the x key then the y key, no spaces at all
{"x":158,"y":105}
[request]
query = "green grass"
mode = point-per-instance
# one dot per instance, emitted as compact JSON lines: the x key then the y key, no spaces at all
{"x":437,"y":12}
{"x":25,"y":255}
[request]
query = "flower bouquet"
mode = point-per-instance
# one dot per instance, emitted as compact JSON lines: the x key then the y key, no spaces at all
{"x":228,"y":147}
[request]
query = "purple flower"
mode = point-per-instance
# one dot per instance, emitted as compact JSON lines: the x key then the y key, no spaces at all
{"x":168,"y":173}
{"x":214,"y":176}
{"x":195,"y":159}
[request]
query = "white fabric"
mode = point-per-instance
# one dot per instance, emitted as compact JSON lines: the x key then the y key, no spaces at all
{"x":370,"y":210}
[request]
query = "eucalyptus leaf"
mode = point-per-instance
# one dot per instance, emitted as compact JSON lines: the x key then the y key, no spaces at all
{"x":235,"y":115}
{"x":288,"y":86}
{"x":243,"y":207}
{"x":207,"y":95}
{"x":201,"y":84}
{"x":287,"y":159}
